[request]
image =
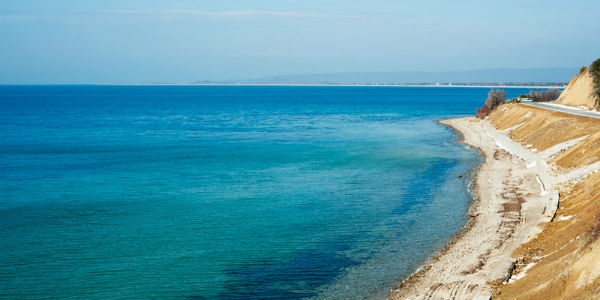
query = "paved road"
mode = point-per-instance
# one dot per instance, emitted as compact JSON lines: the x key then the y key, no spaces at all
{"x":565,"y":109}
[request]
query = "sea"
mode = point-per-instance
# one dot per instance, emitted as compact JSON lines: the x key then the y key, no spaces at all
{"x":227,"y":192}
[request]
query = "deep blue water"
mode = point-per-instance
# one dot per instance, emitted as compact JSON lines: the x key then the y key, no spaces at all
{"x":199,"y":192}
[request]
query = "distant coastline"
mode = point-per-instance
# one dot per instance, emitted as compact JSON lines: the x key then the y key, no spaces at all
{"x":501,"y":78}
{"x":484,"y":77}
{"x":441,"y":85}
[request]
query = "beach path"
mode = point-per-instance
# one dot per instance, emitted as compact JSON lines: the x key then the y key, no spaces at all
{"x":508,"y":205}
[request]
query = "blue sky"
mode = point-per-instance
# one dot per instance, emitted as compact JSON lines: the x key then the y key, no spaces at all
{"x":75,"y":41}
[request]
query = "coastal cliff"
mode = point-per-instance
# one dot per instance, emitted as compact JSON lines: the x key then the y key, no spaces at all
{"x":560,"y":262}
{"x":544,"y":241}
{"x":580,"y":91}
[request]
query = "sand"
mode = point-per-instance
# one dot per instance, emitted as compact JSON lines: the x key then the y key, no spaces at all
{"x":561,"y":261}
{"x":509,"y":203}
{"x":579,"y":92}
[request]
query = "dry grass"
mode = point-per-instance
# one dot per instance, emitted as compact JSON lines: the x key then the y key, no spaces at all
{"x":584,"y":153}
{"x":542,"y":129}
{"x":566,"y":254}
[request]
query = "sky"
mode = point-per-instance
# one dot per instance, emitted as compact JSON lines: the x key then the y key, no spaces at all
{"x":143,"y":41}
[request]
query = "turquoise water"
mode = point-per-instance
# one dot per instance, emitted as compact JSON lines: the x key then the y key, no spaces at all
{"x":150,"y":192}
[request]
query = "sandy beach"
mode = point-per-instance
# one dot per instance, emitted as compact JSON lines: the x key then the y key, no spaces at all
{"x":508,"y":203}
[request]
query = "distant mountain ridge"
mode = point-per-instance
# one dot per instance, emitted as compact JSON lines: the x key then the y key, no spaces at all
{"x":484,"y":76}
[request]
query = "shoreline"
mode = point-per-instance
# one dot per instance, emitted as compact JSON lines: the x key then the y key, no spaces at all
{"x":339,"y":84}
{"x":504,"y":213}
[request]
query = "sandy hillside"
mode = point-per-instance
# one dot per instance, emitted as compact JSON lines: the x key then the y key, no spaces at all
{"x":563,"y":261}
{"x":560,"y":259}
{"x":555,"y":257}
{"x":579,"y":92}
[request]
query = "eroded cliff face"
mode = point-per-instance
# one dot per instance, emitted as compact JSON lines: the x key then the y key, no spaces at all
{"x":579,"y":92}
{"x":563,"y":260}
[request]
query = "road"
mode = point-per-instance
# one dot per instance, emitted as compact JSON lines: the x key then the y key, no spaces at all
{"x":564,"y":109}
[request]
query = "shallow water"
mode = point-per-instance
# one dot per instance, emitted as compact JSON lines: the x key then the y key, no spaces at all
{"x":201,"y":192}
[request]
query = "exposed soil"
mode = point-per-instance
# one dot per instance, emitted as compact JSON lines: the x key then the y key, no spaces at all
{"x":563,"y":260}
{"x":559,"y":259}
{"x":580,"y":92}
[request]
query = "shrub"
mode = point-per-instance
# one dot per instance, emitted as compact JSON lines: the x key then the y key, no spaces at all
{"x":495,"y":98}
{"x":595,"y":72}
{"x":514,"y":100}
{"x":544,"y":96}
{"x":483,"y":112}
{"x":582,"y":69}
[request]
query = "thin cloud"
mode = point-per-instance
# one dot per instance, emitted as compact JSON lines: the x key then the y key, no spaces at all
{"x":234,"y":14}
{"x":174,"y":13}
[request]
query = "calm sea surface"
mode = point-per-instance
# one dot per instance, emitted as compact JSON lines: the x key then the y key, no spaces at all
{"x":194,"y":192}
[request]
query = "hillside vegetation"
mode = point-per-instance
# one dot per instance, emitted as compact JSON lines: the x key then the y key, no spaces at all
{"x":595,"y":72}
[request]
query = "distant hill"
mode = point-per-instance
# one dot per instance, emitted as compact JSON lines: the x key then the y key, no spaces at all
{"x":544,"y":76}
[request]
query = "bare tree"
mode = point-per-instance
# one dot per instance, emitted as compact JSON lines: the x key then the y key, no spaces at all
{"x":544,"y":96}
{"x":495,"y":98}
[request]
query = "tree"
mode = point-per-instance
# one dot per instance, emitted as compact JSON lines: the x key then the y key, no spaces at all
{"x":544,"y":96}
{"x":595,"y":72}
{"x":495,"y":98}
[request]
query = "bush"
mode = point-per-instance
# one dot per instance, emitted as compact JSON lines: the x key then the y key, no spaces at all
{"x":495,"y":98}
{"x":544,"y":96}
{"x":483,"y":112}
{"x":514,"y":100}
{"x":582,"y":69}
{"x":595,"y":72}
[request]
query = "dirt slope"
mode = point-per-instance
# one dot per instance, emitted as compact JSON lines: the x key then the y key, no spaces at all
{"x":563,"y":260}
{"x":579,"y":92}
{"x":540,"y":129}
